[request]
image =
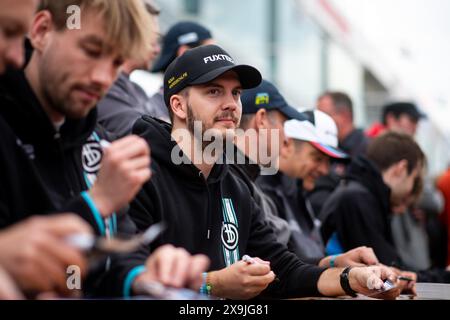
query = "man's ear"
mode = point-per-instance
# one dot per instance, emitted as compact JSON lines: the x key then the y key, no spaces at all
{"x":390,"y":120}
{"x":287,"y":148}
{"x":40,"y":30}
{"x":182,"y":49}
{"x":401,"y":168}
{"x":179,"y":107}
{"x":261,"y":119}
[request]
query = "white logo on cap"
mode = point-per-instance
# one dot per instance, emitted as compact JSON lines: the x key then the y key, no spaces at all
{"x":188,"y":38}
{"x":217,"y":57}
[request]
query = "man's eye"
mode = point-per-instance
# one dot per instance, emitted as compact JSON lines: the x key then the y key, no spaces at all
{"x":237,"y":93}
{"x":93,"y":53}
{"x":118,"y":62}
{"x":214,"y":91}
{"x":11,"y":32}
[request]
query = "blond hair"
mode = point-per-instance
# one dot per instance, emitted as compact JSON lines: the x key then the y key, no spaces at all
{"x":127,"y":23}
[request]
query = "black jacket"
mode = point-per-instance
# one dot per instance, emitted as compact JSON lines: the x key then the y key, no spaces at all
{"x":216,"y":217}
{"x":292,"y":206}
{"x":44,"y":171}
{"x":125,"y":103}
{"x":359,"y":211}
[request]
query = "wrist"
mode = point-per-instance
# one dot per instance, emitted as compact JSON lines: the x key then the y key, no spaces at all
{"x":333,"y":261}
{"x":348,"y":281}
{"x":213,"y":280}
{"x":100,"y":202}
{"x":206,"y":287}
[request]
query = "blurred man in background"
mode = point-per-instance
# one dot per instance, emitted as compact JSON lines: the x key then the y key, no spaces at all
{"x":181,"y":37}
{"x":400,"y":117}
{"x":126,"y":101}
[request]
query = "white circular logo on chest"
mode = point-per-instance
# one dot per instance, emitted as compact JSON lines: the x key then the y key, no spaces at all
{"x":92,"y":157}
{"x":230,"y":236}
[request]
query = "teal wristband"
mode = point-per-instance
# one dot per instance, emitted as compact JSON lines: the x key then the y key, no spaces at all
{"x":206,"y":287}
{"x":333,"y":260}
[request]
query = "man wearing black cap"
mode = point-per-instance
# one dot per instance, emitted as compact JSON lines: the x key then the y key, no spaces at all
{"x":181,"y":37}
{"x":210,"y":210}
{"x":400,"y":117}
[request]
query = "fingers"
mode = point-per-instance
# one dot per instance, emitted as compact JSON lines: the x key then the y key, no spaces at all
{"x":368,"y":257}
{"x":53,"y":273}
{"x":179,"y":271}
{"x":374,"y":282}
{"x":256,"y":269}
{"x":140,"y":176}
{"x":128,"y":148}
{"x":387,"y":273}
{"x":64,"y":254}
{"x":258,"y":260}
{"x":263,"y":281}
{"x":139,"y":163}
{"x":54,"y":258}
{"x":63,"y":225}
{"x":8,"y":290}
{"x":170,"y":266}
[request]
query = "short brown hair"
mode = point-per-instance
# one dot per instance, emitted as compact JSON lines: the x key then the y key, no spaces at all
{"x":127,"y":22}
{"x":392,"y":147}
{"x":341,"y":101}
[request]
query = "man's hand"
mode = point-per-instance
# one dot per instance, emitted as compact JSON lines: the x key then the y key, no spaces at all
{"x":358,"y":257}
{"x":174,"y":267}
{"x":370,"y":280}
{"x":124,"y":169}
{"x":242,"y":280}
{"x":8,"y":289}
{"x":405,"y":286}
{"x":35,"y":255}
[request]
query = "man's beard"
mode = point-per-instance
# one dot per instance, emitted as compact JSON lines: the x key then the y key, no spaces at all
{"x":191,"y":120}
{"x":62,"y":102}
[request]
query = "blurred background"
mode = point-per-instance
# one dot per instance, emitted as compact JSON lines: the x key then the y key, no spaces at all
{"x":376,"y":51}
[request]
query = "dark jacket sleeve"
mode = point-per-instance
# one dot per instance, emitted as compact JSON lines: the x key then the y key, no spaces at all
{"x":116,"y":112}
{"x":358,"y":223}
{"x":296,"y":279}
{"x":85,"y":208}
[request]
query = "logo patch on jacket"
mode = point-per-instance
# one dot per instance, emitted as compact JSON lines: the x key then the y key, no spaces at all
{"x":230,"y":236}
{"x":92,"y":156}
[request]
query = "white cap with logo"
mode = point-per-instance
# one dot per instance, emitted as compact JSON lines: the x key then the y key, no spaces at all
{"x":320,"y":130}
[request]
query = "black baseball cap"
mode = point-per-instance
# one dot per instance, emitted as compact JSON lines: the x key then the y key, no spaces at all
{"x":182,"y":33}
{"x":266,"y":96}
{"x":399,"y":108}
{"x":202,"y":65}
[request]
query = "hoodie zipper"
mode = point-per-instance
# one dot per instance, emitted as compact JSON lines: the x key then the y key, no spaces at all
{"x":208,"y":207}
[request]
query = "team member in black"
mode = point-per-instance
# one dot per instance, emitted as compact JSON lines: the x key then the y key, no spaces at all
{"x":209,"y":210}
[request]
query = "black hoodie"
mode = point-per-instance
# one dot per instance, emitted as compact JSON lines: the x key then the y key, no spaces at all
{"x":216,"y":216}
{"x":359,"y":211}
{"x":45,"y":171}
